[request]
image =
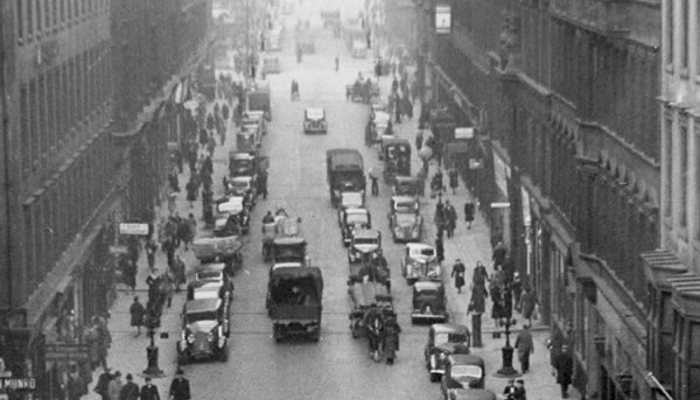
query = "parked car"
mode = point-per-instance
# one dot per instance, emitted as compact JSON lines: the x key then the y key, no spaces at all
{"x":420,"y":262}
{"x":352,"y":219}
{"x":462,"y":371}
{"x":364,"y":242}
{"x":205,"y":330}
{"x":444,"y":340}
{"x":405,"y":221}
{"x":408,"y":186}
{"x":315,"y":120}
{"x":429,"y":301}
{"x":208,"y":289}
{"x":349,"y":200}
{"x":217,"y":272}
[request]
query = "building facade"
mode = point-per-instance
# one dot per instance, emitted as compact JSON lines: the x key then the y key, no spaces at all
{"x":69,"y":95}
{"x":563,"y":95}
{"x":673,"y":271}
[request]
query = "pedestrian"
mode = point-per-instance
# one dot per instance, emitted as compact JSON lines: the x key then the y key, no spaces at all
{"x":555,"y":343}
{"x":130,"y":390}
{"x":262,"y":182}
{"x":391,"y":339}
{"x":210,"y":122}
{"x":75,"y":386}
{"x":419,"y":140}
{"x":375,"y":182}
{"x":104,"y":340}
{"x":497,"y":305}
{"x":458,"y":271}
{"x":509,"y":390}
{"x":149,"y":391}
{"x":525,"y":346}
{"x":499,"y":254}
{"x":454,"y":179}
{"x":168,"y":247}
{"x":173,"y":180}
{"x":185,"y":233}
{"x":439,"y":249}
{"x":480,"y":276}
{"x":115,"y":386}
{"x":102,"y":386}
{"x":180,"y":387}
{"x":440,"y":218}
{"x":211,"y":145}
{"x":520,"y":393}
{"x":225,"y":112}
{"x":151,"y":248}
{"x":469,"y":213}
{"x":137,"y":312}
{"x":337,"y":63}
{"x":527,"y":304}
{"x":476,"y":307}
{"x":497,"y":277}
{"x":129,"y":270}
{"x":191,"y":188}
{"x":564,"y":365}
{"x":178,"y":273}
{"x":168,"y":286}
{"x":450,"y":219}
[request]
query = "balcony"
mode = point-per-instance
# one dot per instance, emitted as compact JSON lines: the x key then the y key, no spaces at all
{"x":607,"y":17}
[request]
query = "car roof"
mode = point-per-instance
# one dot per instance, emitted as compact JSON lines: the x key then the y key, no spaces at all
{"x":421,"y":285}
{"x":385,"y":117}
{"x":315,"y":110}
{"x":403,"y":199}
{"x":356,"y":210}
{"x":367,"y":233}
{"x":245,"y":179}
{"x":295,"y":240}
{"x":419,"y":246}
{"x":449,"y":328}
{"x":280,"y":266}
{"x":199,"y":305}
{"x":407,"y":179}
{"x":466,"y":359}
{"x":391,"y":140}
{"x":241,"y":156}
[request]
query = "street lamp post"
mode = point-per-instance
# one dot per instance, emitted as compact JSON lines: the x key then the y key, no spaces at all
{"x":507,"y":321}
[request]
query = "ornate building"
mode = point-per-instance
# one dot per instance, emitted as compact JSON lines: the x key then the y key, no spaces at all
{"x":74,"y":79}
{"x":563,"y":95}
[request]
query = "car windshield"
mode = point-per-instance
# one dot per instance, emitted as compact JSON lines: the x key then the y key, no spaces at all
{"x":356,"y":219}
{"x":243,"y":164}
{"x":466,"y":371}
{"x":406,"y":206}
{"x":444,"y":337}
{"x":217,"y":275}
{"x":405,"y":218}
{"x":240,"y":185}
{"x":314,"y":114}
{"x":193,"y":317}
{"x":362,"y":241}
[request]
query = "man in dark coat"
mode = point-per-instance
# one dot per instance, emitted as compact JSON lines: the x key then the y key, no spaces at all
{"x":180,"y":387}
{"x":499,"y":254}
{"x":130,"y":390}
{"x":450,"y":219}
{"x":480,"y":276}
{"x":469,"y":213}
{"x":477,"y":306}
{"x":458,"y":271}
{"x":149,"y":391}
{"x":525,"y":347}
{"x":564,"y":365}
{"x":391,"y":339}
{"x":439,"y":249}
{"x":102,"y":385}
{"x":454,"y":179}
{"x":137,"y":312}
{"x":76,"y":386}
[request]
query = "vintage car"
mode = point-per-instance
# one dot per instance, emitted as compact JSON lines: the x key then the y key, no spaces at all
{"x":408,"y":186}
{"x":271,"y":65}
{"x":349,"y":200}
{"x":396,"y":154}
{"x":405,"y":221}
{"x":247,"y":138}
{"x":208,"y":249}
{"x":217,"y":272}
{"x":234,"y":218}
{"x":471,"y":394}
{"x":444,"y":340}
{"x":315,"y":120}
{"x":256,"y":117}
{"x":462,"y":371}
{"x":205,"y":330}
{"x":243,"y":186}
{"x":381,"y":126}
{"x":420,"y":261}
{"x":359,"y":48}
{"x":207,"y":289}
{"x":429,"y":301}
{"x":352,"y":219}
{"x":378,"y":107}
{"x":364,"y":242}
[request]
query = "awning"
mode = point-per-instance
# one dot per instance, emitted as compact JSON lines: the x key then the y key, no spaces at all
{"x":661,"y":264}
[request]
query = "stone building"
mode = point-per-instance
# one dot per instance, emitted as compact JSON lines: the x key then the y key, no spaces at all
{"x":70,"y":95}
{"x":563,"y":97}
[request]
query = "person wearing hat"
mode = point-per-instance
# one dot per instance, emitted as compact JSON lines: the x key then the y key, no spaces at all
{"x":180,"y":387}
{"x":102,"y":386}
{"x":149,"y":391}
{"x":509,"y":390}
{"x":115,"y":386}
{"x":525,"y":346}
{"x":520,"y":390}
{"x":130,"y":391}
{"x":458,"y":271}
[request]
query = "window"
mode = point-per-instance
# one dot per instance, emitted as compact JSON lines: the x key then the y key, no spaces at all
{"x":19,"y":16}
{"x":39,"y":15}
{"x":24,"y":126}
{"x":697,"y":179}
{"x":668,"y":156}
{"x":62,"y":9}
{"x":69,"y":9}
{"x":33,"y":128}
{"x":30,"y":17}
{"x":683,"y":175}
{"x":29,"y":253}
{"x":41,"y":115}
{"x":55,"y":13}
{"x":47,"y":14}
{"x":685,"y":33}
{"x":697,"y":39}
{"x":669,"y":32}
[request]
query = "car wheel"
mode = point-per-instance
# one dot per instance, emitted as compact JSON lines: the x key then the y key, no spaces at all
{"x":434,"y":377}
{"x":413,"y":321}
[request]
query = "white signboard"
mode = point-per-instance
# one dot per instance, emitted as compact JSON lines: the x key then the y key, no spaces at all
{"x":443,"y":19}
{"x":133,"y":229}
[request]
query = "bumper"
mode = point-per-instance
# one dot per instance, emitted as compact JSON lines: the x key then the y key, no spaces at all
{"x":199,"y":351}
{"x":315,"y":128}
{"x":429,"y":317}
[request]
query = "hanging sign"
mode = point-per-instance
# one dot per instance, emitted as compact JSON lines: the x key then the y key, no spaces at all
{"x":133,"y":229}
{"x":443,"y":19}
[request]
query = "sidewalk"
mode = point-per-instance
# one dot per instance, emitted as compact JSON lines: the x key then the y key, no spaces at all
{"x":472,"y":245}
{"x":128,"y":352}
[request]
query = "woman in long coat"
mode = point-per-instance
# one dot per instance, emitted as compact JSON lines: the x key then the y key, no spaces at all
{"x":391,"y":339}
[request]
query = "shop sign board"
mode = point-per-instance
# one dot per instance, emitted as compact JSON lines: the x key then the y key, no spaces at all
{"x":66,"y":351}
{"x":137,"y":229}
{"x":443,"y":19}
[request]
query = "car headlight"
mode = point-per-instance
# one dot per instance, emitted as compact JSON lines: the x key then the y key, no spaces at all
{"x":210,"y":336}
{"x":397,"y":230}
{"x":443,"y":356}
{"x":433,"y":360}
{"x":190,"y":338}
{"x":415,"y":231}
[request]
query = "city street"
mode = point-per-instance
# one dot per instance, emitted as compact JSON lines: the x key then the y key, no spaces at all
{"x":338,"y":366}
